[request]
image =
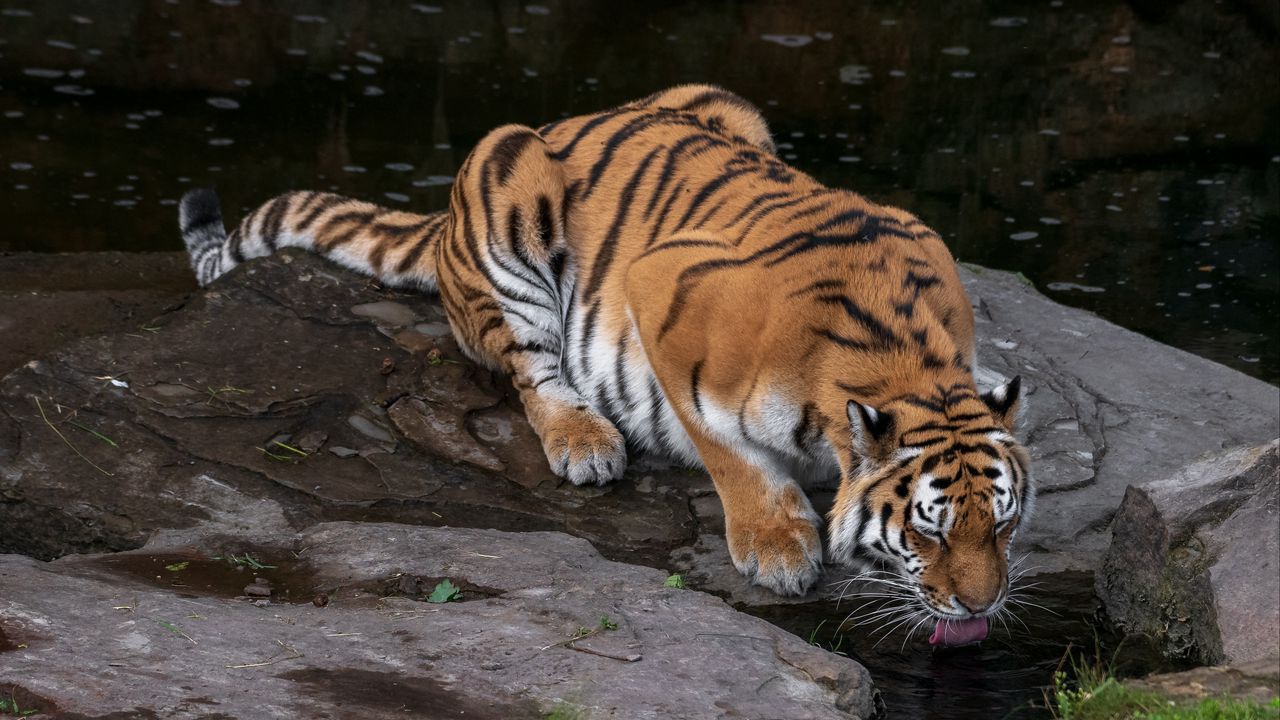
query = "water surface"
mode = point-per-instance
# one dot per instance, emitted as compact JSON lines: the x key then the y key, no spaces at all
{"x":1123,"y":156}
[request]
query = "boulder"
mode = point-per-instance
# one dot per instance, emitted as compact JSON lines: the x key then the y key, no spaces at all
{"x":348,"y":620}
{"x":1194,"y":562}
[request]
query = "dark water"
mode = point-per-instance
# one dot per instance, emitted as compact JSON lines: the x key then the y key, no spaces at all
{"x":1124,"y":156}
{"x":1005,"y":676}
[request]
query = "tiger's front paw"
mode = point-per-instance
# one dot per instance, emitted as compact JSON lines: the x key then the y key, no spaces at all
{"x":782,"y":554}
{"x":584,"y":448}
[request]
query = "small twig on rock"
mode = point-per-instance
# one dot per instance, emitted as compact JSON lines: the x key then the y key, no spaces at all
{"x":580,"y":635}
{"x":68,"y":442}
{"x":634,"y":657}
{"x":293,"y":655}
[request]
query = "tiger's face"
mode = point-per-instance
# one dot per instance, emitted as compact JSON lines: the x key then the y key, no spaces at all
{"x":939,"y":490}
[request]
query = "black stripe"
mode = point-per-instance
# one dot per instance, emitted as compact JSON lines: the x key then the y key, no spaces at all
{"x":883,"y":335}
{"x":609,"y":246}
{"x":865,"y":391}
{"x":669,"y":167}
{"x":694,"y":382}
{"x":326,"y":203}
{"x":710,"y":189}
{"x":632,"y":128}
{"x":655,"y":407}
{"x":662,"y":216}
{"x":506,"y":152}
{"x":272,"y":220}
{"x":718,"y":95}
{"x":233,"y":245}
{"x":619,"y":371}
{"x":583,"y":131}
{"x":546,"y":226}
{"x":433,"y":233}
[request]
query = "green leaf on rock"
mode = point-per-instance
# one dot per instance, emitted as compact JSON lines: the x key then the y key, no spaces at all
{"x":445,"y":592}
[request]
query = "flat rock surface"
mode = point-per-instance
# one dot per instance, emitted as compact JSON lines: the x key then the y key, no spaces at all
{"x":1195,"y":560}
{"x":50,"y":299}
{"x":295,"y":381}
{"x":334,"y":622}
{"x":1258,"y":680}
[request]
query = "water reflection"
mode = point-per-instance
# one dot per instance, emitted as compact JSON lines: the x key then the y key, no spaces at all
{"x":1122,"y":147}
{"x":1005,"y":676}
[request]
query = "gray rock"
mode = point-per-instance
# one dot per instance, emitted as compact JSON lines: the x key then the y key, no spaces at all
{"x":1106,"y":408}
{"x":1195,"y":560}
{"x":1257,"y":680}
{"x":171,"y":646}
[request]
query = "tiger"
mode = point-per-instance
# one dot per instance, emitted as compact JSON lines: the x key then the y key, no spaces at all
{"x":653,"y":275}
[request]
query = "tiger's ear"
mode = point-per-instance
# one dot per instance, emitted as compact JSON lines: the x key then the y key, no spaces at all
{"x":872,"y":430}
{"x":1005,"y":402}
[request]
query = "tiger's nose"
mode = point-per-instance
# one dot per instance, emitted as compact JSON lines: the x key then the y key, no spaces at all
{"x":977,"y":603}
{"x":974,"y":607}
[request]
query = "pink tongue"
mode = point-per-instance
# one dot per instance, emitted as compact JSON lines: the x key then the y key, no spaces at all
{"x":952,"y":633}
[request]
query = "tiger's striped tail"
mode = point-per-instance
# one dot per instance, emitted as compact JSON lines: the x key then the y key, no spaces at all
{"x":398,"y":248}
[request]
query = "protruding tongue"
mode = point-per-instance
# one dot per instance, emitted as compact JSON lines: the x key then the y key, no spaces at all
{"x":953,"y":633}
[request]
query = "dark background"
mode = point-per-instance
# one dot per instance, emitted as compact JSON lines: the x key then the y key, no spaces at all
{"x":1139,"y":142}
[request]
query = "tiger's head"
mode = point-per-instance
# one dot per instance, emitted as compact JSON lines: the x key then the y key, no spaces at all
{"x":935,"y":495}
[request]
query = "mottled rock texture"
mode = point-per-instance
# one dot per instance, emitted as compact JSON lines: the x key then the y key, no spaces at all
{"x":1195,"y":560}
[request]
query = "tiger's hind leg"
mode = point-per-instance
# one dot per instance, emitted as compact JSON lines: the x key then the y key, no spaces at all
{"x":504,"y":277}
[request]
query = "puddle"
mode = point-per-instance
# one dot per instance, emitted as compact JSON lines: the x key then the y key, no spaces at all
{"x":190,"y":575}
{"x":1003,"y":677}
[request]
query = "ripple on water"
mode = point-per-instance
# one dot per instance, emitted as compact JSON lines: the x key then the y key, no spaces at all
{"x":223,"y":103}
{"x":855,"y":74}
{"x":427,"y":9}
{"x":77,"y":90}
{"x":791,"y":41}
{"x":1067,"y":286}
{"x":957,"y":50}
{"x":1008,"y":22}
{"x":433,"y":180}
{"x":537,"y":9}
{"x":44,"y":73}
